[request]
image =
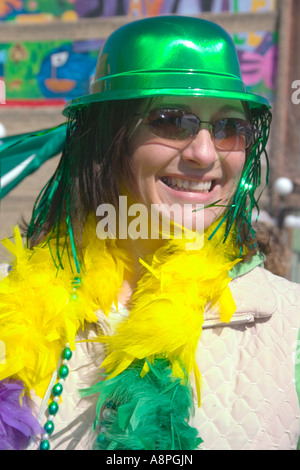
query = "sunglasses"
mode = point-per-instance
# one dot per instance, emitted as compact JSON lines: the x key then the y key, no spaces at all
{"x":177,"y":124}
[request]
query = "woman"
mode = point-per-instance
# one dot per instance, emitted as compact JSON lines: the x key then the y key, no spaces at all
{"x":112,"y":318}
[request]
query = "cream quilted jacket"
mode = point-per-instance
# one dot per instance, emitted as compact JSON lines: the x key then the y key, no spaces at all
{"x":249,"y":398}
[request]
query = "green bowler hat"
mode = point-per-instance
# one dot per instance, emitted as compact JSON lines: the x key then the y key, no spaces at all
{"x":168,"y":55}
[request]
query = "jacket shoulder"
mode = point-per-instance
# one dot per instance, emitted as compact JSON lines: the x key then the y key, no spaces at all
{"x":282,"y":294}
{"x":290,"y":290}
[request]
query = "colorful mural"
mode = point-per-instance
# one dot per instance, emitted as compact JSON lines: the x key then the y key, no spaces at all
{"x":56,"y":71}
{"x":43,"y":10}
{"x":36,"y":10}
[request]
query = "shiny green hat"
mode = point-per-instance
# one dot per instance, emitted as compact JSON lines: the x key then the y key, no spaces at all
{"x":168,"y":55}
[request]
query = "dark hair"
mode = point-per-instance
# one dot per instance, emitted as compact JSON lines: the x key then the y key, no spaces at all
{"x":89,"y":170}
{"x":270,"y":241}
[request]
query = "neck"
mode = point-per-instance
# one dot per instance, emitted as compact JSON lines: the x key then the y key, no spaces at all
{"x":136,"y":249}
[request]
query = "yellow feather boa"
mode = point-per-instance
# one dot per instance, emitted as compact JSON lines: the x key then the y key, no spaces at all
{"x":39,"y":312}
{"x":167,"y":307}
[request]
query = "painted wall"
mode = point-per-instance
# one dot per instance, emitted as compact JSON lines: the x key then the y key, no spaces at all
{"x":56,"y":71}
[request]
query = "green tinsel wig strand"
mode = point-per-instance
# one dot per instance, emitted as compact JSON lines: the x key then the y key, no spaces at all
{"x":239,"y":213}
{"x":60,"y":182}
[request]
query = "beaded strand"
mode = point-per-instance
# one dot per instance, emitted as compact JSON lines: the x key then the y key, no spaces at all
{"x":57,"y":389}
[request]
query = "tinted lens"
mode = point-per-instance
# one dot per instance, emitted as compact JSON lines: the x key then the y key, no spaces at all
{"x":177,"y":124}
{"x":174,"y":124}
{"x":232,"y":134}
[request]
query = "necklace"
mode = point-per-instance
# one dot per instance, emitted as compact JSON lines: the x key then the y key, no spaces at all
{"x":57,"y":391}
{"x":169,"y":299}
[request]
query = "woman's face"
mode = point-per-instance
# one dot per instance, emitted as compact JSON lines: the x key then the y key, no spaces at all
{"x":187,"y":172}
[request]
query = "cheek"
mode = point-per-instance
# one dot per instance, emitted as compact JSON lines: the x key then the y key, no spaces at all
{"x":234,"y":165}
{"x":142,"y":169}
{"x":149,"y":159}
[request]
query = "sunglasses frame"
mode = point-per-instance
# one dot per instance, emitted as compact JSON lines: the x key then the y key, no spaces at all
{"x":249,"y":129}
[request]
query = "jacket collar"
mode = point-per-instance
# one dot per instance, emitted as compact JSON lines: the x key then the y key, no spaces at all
{"x":250,"y":289}
{"x":253,"y":297}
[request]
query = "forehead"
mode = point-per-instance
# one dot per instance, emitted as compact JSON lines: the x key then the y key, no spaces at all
{"x":201,"y":105}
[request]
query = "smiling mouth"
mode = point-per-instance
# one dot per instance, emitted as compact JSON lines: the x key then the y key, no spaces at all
{"x":179,"y":184}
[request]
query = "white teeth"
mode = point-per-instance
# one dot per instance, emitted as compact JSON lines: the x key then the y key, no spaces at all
{"x":194,"y":185}
{"x":182,"y":184}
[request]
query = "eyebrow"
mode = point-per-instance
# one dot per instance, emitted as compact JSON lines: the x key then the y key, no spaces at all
{"x":229,"y":107}
{"x":224,"y":109}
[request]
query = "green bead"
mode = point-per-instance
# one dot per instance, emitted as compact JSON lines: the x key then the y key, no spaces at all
{"x":101,"y":438}
{"x":45,"y":445}
{"x":63,"y":371}
{"x":67,"y":354}
{"x":76,"y":281}
{"x":49,"y":427}
{"x":104,"y":423}
{"x":57,"y":389}
{"x":53,"y":408}
{"x":110,"y":404}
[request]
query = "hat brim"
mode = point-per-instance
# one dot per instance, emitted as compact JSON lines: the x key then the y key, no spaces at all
{"x":136,"y":85}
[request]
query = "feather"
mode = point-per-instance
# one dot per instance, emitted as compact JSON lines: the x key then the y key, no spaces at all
{"x":17,"y":421}
{"x":168,"y":305}
{"x":144,"y":414}
{"x":42,"y":307}
{"x":40,"y":312}
{"x":153,"y":352}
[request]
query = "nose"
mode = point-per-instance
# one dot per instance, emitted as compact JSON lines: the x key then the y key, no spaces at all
{"x":200,"y":152}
